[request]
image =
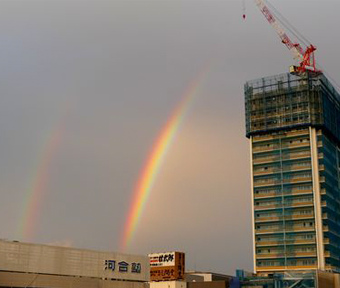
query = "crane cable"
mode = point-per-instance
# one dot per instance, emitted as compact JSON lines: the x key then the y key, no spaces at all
{"x":288,"y":25}
{"x":300,"y":37}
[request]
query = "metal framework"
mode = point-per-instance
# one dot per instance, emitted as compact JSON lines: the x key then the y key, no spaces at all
{"x":286,"y":101}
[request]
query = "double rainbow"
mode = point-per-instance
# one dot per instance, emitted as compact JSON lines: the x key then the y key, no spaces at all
{"x":154,"y":161}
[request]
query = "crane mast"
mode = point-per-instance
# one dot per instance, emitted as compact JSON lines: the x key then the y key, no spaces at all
{"x":305,"y":57}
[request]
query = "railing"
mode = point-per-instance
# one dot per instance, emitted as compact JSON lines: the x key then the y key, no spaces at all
{"x":284,"y":255}
{"x":286,"y":242}
{"x":281,"y":268}
{"x":300,"y":179}
{"x":291,"y":168}
{"x":292,"y":156}
{"x":288,"y":229}
{"x":286,"y":217}
{"x":277,"y":147}
{"x":291,"y":204}
{"x":285,"y":193}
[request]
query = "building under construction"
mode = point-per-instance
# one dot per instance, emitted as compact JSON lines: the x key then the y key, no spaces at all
{"x":293,"y":124}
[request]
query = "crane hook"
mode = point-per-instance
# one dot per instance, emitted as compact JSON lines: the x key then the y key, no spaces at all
{"x":244,"y":9}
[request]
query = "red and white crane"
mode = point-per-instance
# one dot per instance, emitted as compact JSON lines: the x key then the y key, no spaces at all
{"x":304,"y":56}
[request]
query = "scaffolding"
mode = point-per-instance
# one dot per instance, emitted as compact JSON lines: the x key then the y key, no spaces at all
{"x":287,"y":101}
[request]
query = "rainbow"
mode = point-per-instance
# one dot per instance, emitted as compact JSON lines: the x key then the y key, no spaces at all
{"x":39,"y":184}
{"x":152,"y":166}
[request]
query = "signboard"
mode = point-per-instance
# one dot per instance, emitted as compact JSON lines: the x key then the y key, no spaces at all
{"x":122,"y":266}
{"x":162,"y":259}
{"x":167,"y":266}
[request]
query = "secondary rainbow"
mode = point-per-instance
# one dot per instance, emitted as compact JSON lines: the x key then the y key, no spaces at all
{"x":39,"y":184}
{"x":156,"y":157}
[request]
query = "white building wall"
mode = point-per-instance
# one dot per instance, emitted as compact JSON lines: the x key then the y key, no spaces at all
{"x":45,"y":259}
{"x":168,"y":284}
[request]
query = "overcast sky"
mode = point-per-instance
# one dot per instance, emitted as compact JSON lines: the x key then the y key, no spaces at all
{"x":103,"y":77}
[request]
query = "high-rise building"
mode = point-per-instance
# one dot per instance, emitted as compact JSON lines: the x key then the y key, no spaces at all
{"x":293,"y":124}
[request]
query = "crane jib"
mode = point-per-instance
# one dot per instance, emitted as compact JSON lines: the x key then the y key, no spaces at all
{"x":305,"y":57}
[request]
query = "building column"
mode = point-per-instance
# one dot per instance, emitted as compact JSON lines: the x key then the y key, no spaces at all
{"x":317,"y":198}
{"x":252,"y":201}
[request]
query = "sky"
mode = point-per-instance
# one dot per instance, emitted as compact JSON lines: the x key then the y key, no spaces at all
{"x":87,"y":86}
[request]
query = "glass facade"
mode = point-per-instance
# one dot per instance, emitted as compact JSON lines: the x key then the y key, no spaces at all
{"x":293,"y":125}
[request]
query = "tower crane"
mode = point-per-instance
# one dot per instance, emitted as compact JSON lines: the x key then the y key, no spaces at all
{"x":305,"y":57}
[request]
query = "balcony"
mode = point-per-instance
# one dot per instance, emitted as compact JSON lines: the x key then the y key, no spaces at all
{"x":267,"y":171}
{"x":266,"y":195}
{"x":268,"y":219}
{"x":300,"y":229}
{"x":269,"y":243}
{"x":287,"y":242}
{"x":292,"y":168}
{"x":295,"y":145}
{"x":271,"y":147}
{"x":301,"y":254}
{"x":266,"y":183}
{"x":298,"y":192}
{"x":300,"y":242}
{"x":299,"y":217}
{"x":298,"y":180}
{"x":285,"y":157}
{"x":282,"y":268}
{"x":262,"y":138}
{"x":287,"y":135}
{"x":268,"y":231}
{"x":281,"y":218}
{"x":284,"y":205}
{"x":271,"y":182}
{"x":294,"y":156}
{"x":287,"y":230}
{"x":327,"y":254}
{"x":286,"y":193}
{"x":265,"y":149}
{"x":270,"y":255}
{"x":287,"y":255}
{"x":265,"y":160}
{"x":267,"y":207}
{"x":299,"y":204}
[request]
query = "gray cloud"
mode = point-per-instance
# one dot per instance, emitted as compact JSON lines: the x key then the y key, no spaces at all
{"x":123,"y":66}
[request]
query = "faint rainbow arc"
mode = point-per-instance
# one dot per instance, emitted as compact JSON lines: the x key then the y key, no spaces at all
{"x":156,"y":157}
{"x":39,"y":184}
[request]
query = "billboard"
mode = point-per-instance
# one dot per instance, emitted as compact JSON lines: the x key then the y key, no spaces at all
{"x":167,"y":266}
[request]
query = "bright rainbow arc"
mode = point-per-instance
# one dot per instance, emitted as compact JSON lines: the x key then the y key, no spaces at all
{"x":155,"y":160}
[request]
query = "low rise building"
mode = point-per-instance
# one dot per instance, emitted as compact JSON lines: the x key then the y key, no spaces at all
{"x":36,"y":265}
